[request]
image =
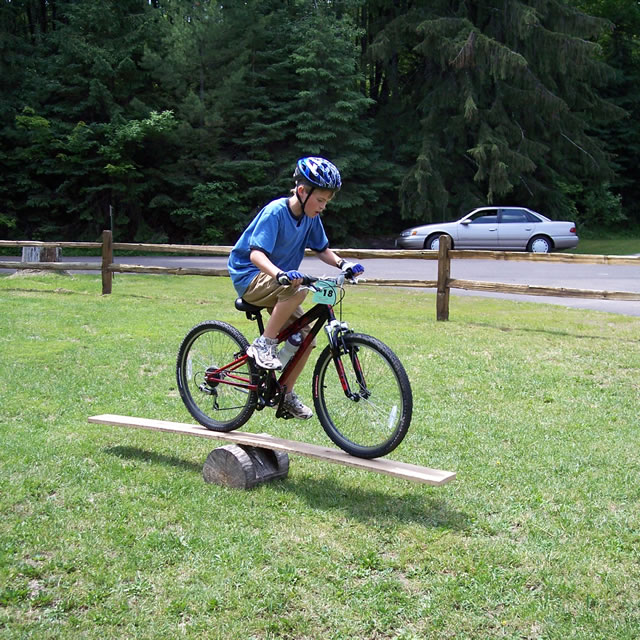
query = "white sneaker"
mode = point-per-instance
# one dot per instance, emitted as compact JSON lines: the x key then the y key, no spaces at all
{"x":264,"y":352}
{"x":293,"y":405}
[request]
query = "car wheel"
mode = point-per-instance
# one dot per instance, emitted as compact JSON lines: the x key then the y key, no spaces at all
{"x":432,"y":243}
{"x":540,"y":244}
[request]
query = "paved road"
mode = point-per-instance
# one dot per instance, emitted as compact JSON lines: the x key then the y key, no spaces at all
{"x":575,"y":276}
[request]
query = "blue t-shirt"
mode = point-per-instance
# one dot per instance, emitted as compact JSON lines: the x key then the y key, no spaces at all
{"x":281,"y":236}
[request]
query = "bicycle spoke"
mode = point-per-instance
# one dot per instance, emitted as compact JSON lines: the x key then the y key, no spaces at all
{"x":217,"y":405}
{"x":375,"y":418}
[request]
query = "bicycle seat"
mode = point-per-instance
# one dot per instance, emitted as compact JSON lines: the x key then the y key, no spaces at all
{"x":247,"y":307}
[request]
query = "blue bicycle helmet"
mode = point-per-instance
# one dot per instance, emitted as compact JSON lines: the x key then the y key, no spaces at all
{"x":319,"y":173}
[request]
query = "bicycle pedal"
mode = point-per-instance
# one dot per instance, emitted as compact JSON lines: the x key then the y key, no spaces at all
{"x":285,"y":415}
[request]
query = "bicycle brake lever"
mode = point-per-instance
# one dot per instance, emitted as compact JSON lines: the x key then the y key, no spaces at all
{"x":349,"y":277}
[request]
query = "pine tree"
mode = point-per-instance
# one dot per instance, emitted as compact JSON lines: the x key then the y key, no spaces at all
{"x":84,"y":80}
{"x":280,"y":99}
{"x":187,"y":117}
{"x":621,"y":50}
{"x":505,"y":93}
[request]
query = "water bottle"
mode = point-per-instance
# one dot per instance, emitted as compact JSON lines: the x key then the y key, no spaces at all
{"x":290,"y":347}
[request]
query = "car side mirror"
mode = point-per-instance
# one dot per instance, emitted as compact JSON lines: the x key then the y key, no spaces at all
{"x":466,"y":221}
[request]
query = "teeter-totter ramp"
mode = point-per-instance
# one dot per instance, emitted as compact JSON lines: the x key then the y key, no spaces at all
{"x":259,"y":457}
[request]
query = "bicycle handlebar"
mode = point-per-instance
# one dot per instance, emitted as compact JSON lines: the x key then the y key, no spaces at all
{"x":345,"y":276}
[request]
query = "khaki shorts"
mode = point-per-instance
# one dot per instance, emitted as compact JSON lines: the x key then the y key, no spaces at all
{"x":265,"y":291}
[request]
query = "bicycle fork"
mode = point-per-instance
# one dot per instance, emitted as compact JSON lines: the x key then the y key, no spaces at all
{"x":336,"y":332}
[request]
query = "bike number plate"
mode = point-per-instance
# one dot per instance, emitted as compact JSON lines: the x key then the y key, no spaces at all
{"x":326,"y":293}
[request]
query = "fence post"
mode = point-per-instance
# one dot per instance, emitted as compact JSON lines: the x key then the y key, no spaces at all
{"x":444,"y":272}
{"x":107,"y":259}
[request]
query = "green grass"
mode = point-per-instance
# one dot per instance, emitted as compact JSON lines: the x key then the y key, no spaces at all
{"x":608,"y":244}
{"x":111,"y":533}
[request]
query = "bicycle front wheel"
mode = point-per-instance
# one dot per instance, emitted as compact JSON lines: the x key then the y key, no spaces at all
{"x":369,"y":416}
{"x":219,"y":406}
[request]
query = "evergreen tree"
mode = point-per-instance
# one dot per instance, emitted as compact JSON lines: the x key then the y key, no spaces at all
{"x":279,"y":99}
{"x":80,"y":91}
{"x":621,"y":50}
{"x":332,"y":119}
{"x":187,"y":117}
{"x":505,"y":93}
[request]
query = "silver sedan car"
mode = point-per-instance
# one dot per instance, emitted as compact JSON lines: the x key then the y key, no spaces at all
{"x":496,"y":229}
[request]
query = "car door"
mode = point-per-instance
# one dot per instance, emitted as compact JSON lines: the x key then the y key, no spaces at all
{"x":480,"y":232}
{"x":515,"y":228}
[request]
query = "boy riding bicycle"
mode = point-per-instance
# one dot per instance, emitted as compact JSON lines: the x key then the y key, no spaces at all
{"x":264,"y":262}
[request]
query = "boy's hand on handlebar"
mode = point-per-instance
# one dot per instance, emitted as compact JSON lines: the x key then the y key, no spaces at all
{"x":352,"y":269}
{"x":293,"y":277}
{"x":289,"y":277}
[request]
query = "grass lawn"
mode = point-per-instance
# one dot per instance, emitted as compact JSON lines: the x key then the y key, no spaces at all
{"x":110,"y":533}
{"x":608,"y":245}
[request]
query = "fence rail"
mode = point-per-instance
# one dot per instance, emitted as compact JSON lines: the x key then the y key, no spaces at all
{"x":443,"y":284}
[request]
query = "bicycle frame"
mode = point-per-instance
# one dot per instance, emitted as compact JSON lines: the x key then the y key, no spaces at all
{"x":320,"y":313}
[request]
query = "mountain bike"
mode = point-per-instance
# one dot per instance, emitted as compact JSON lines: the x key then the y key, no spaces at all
{"x":361,"y":392}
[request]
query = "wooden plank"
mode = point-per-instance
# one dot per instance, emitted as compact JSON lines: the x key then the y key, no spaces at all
{"x":174,"y":271}
{"x":538,"y":290}
{"x":51,"y":266}
{"x":404,"y":470}
{"x":470,"y":254}
{"x":398,"y":254}
{"x":214,"y":250}
{"x":37,"y":243}
{"x":375,"y":282}
{"x":565,"y":258}
{"x":466,"y":254}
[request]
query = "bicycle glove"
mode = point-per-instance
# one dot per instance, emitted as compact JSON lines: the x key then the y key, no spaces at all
{"x":352,"y":268}
{"x":285,"y":278}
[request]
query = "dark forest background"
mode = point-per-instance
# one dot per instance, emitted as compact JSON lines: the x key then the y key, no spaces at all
{"x":178,"y":120}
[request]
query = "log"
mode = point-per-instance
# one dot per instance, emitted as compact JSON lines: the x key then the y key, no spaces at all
{"x":466,"y":254}
{"x":243,"y":467}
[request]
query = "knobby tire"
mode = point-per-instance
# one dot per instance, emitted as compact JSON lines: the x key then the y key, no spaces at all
{"x":375,"y":420}
{"x":220,"y":407}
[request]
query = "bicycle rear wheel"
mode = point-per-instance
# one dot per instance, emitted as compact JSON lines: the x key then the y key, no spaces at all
{"x":373,"y":416}
{"x":217,"y":406}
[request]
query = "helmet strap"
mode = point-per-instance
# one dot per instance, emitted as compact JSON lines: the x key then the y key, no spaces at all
{"x":304,"y":204}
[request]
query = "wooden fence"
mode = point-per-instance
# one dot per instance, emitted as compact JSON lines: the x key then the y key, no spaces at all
{"x":443,"y":284}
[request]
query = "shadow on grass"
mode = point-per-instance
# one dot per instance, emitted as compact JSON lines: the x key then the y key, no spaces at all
{"x":326,"y":493}
{"x":550,"y":332}
{"x":375,"y":507}
{"x":134,"y":453}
